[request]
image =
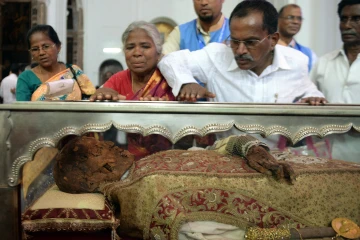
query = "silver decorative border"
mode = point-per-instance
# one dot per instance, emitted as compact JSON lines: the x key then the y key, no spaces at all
{"x":35,"y":145}
{"x":136,"y":128}
{"x":298,"y":136}
{"x":210,"y":128}
{"x":322,"y":132}
{"x":51,"y":142}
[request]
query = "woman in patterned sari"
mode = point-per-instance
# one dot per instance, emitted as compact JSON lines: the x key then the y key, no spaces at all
{"x":42,"y":82}
{"x":142,"y":45}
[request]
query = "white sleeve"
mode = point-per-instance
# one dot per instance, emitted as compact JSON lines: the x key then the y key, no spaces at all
{"x":314,"y":59}
{"x":309,"y":87}
{"x":311,"y":90}
{"x":1,"y":89}
{"x":182,"y":67}
{"x":314,"y":74}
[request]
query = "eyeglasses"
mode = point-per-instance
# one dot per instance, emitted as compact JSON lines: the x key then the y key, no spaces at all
{"x":293,"y":18}
{"x":45,"y":48}
{"x":198,"y":1}
{"x":249,"y":44}
{"x":352,"y":19}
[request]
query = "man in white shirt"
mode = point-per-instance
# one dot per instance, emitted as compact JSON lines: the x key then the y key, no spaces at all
{"x":252,"y":68}
{"x":290,"y":21}
{"x":337,"y":75}
{"x":210,"y":26}
{"x":8,"y":85}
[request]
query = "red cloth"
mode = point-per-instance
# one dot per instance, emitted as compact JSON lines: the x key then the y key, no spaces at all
{"x":121,"y":82}
{"x":156,"y":87}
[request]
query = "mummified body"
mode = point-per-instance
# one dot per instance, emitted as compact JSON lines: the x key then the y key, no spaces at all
{"x":85,"y":162}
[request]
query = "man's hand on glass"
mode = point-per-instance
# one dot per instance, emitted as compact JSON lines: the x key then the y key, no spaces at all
{"x":103,"y":94}
{"x":193,"y":91}
{"x":314,"y":101}
{"x":151,"y":98}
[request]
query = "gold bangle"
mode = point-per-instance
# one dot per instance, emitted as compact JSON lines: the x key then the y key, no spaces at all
{"x":256,"y":233}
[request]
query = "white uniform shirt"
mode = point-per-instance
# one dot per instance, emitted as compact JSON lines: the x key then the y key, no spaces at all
{"x":339,"y":81}
{"x":283,"y":81}
{"x":7,"y":84}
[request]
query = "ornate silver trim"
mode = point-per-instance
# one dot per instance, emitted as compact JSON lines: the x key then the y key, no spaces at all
{"x":252,"y":128}
{"x":210,"y":128}
{"x":158,"y":129}
{"x":322,"y":132}
{"x":136,"y":128}
{"x":356,"y":128}
{"x":39,"y":143}
{"x":51,"y":142}
{"x":95,"y":127}
{"x":65,"y":132}
{"x":15,"y":170}
{"x":298,"y":136}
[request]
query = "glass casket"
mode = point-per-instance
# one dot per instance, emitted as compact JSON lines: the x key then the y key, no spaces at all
{"x":164,"y":196}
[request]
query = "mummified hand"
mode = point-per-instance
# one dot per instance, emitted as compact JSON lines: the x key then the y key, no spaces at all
{"x":262,"y":161}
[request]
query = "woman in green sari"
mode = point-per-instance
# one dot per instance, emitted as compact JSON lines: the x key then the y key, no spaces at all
{"x":39,"y":83}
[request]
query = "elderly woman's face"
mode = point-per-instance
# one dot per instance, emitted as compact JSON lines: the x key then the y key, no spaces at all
{"x":43,"y":50}
{"x":140,"y":52}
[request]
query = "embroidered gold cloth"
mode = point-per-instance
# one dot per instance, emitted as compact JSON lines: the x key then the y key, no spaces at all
{"x":168,"y":188}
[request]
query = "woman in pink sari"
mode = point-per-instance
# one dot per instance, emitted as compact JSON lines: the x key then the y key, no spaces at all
{"x":142,"y":45}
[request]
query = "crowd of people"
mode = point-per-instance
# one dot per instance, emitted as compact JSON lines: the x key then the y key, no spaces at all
{"x":250,"y":57}
{"x":242,"y":55}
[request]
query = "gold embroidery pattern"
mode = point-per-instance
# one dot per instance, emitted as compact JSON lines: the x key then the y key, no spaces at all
{"x":323,"y":190}
{"x":218,"y":201}
{"x":69,"y":219}
{"x":212,"y":163}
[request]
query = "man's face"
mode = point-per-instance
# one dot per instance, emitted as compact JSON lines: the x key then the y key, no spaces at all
{"x":208,"y":10}
{"x":250,"y":29}
{"x":290,"y":21}
{"x":350,"y":24}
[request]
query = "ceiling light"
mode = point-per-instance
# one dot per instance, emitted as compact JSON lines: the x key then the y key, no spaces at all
{"x":112,"y":50}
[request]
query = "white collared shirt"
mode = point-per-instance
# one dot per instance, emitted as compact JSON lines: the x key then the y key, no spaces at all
{"x":339,"y":81}
{"x":7,"y":84}
{"x":283,"y":81}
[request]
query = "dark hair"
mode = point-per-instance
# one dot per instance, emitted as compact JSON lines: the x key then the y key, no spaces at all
{"x":34,"y":64}
{"x":286,"y":6}
{"x":344,"y":3}
{"x":22,"y":67}
{"x":270,"y":15}
{"x":46,"y":29}
{"x":14,"y":68}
